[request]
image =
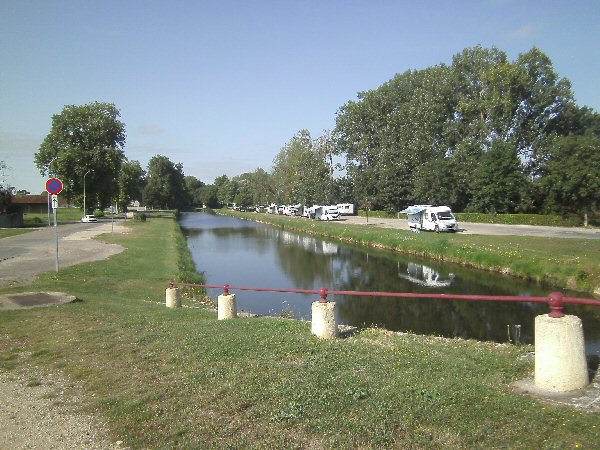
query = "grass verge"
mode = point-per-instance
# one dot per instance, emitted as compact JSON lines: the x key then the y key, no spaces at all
{"x":8,"y":232}
{"x":181,"y":379}
{"x":563,"y":263}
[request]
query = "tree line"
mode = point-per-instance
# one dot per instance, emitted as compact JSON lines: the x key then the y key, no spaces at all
{"x":482,"y":134}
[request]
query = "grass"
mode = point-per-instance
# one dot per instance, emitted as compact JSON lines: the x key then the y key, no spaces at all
{"x":558,"y":263}
{"x":8,"y":232}
{"x":63,"y":215}
{"x":181,"y":379}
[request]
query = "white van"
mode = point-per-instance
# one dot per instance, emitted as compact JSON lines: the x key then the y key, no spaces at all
{"x":431,"y":218}
{"x":327,"y":213}
{"x":347,"y":209}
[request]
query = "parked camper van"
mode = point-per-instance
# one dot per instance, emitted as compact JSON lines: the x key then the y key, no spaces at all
{"x":431,"y":218}
{"x":327,"y":213}
{"x":347,"y":209}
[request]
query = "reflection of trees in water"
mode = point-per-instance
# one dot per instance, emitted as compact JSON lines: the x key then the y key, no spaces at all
{"x":230,"y":239}
{"x":312,"y":263}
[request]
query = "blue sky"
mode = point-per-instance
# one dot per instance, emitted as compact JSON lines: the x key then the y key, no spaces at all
{"x":221,"y":86}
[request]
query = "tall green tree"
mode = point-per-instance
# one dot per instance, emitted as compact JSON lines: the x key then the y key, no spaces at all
{"x":226,"y":190}
{"x":571,"y":176}
{"x":194,"y":187}
{"x":302,"y":171}
{"x":87,"y":139}
{"x":498,"y":181}
{"x":165,"y":185}
{"x":208,"y":196}
{"x":132,"y":179}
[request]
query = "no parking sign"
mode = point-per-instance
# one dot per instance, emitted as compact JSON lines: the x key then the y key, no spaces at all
{"x":54,"y":186}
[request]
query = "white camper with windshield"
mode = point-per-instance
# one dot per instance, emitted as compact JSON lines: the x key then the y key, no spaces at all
{"x":431,"y":218}
{"x":327,"y":213}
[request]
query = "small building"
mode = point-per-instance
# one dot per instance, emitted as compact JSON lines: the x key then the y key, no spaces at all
{"x":36,"y":203}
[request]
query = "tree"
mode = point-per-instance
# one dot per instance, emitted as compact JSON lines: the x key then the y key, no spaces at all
{"x":226,"y":190}
{"x":302,"y":171}
{"x":165,"y":185}
{"x":498,"y":180}
{"x":86,"y":139}
{"x":208,"y":196}
{"x":194,"y":186}
{"x":571,"y":177}
{"x":132,"y":179}
{"x":6,"y":192}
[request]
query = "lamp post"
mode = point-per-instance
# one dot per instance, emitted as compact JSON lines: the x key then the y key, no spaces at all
{"x":84,"y":210}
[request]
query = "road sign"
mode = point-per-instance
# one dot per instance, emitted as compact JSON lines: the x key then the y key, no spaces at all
{"x":54,"y":186}
{"x":54,"y":201}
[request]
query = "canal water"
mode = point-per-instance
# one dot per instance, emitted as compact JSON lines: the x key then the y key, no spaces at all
{"x":246,"y":253}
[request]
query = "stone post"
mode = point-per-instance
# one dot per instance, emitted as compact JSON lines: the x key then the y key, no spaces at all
{"x":324,"y":324}
{"x":560,"y":363}
{"x":227,"y":307}
{"x":172,"y":298}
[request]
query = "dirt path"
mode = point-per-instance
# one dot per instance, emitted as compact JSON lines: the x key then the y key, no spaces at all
{"x":40,"y":410}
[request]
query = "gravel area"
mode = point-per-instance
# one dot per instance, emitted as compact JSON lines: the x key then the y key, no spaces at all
{"x":42,"y":410}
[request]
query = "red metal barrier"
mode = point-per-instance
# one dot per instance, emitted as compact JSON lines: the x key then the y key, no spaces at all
{"x":555,"y":300}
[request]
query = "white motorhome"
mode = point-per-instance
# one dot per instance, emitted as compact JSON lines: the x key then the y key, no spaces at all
{"x":327,"y":213}
{"x":431,"y":218}
{"x":347,"y":209}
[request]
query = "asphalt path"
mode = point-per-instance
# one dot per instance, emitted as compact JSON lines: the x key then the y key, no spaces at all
{"x":488,"y":229}
{"x":25,"y":256}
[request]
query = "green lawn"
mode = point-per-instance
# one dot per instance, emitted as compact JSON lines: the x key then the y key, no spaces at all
{"x":63,"y":215}
{"x":179,"y":378}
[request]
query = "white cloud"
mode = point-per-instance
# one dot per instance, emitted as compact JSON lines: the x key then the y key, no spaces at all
{"x":524,"y":32}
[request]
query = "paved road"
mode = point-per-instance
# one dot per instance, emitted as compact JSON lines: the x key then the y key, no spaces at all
{"x":489,"y":229}
{"x":25,"y":256}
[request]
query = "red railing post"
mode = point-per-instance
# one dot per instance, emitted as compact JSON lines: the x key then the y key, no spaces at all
{"x":555,"y":300}
{"x":171,"y":284}
{"x":226,"y":289}
{"x":323,"y":293}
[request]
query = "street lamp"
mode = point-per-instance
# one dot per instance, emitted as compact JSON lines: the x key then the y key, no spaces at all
{"x":84,"y":210}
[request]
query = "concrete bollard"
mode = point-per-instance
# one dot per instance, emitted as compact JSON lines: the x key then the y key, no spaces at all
{"x":227,"y":307}
{"x":324,"y":323}
{"x":560,"y":363}
{"x":172,"y":298}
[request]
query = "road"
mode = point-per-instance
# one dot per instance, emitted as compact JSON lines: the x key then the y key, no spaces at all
{"x":488,"y":229}
{"x":25,"y":256}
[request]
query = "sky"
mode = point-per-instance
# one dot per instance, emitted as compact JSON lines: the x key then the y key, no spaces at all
{"x":221,"y":86}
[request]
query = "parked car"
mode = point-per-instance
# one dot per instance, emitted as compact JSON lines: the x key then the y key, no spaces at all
{"x":89,"y":218}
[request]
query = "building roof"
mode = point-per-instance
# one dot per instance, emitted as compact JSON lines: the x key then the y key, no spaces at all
{"x":36,"y":200}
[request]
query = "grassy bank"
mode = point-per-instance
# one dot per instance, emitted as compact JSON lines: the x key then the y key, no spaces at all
{"x":503,"y":219}
{"x":562,"y":263}
{"x":8,"y":232}
{"x":180,"y":378}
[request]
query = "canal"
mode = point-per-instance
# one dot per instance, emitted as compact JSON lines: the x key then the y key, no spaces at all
{"x":245,"y":253}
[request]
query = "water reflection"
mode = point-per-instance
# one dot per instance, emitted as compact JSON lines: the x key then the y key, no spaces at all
{"x":246,"y":253}
{"x":425,"y":276}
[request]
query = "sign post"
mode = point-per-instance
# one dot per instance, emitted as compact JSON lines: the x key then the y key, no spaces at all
{"x":54,"y":186}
